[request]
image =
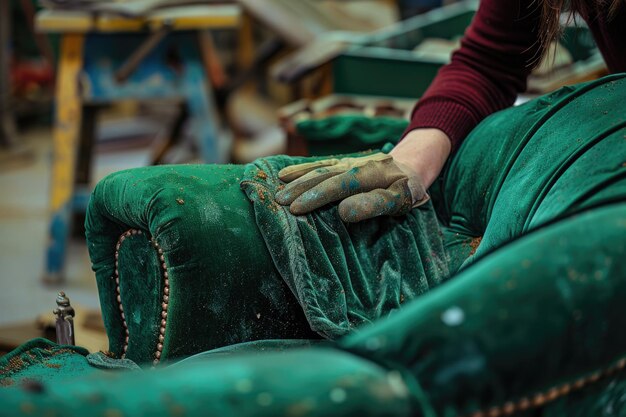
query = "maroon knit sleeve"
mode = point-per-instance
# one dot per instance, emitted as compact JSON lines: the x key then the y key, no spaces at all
{"x":486,"y":72}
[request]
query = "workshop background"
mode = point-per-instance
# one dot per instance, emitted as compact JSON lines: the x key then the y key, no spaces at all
{"x":90,"y":87}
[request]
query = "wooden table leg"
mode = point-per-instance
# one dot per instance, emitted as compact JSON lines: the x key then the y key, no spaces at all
{"x":204,"y":120}
{"x":68,"y":110}
{"x":7,"y":127}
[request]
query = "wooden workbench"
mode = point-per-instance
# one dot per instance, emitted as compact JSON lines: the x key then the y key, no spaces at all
{"x":106,"y":57}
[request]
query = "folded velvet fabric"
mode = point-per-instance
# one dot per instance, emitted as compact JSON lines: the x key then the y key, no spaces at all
{"x":345,"y":275}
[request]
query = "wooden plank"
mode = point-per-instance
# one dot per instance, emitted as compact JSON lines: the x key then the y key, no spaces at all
{"x":198,"y":17}
{"x":68,"y":113}
{"x":67,"y":120}
{"x":300,"y":22}
{"x":66,"y":21}
{"x":7,"y":125}
{"x":179,"y":18}
{"x":13,"y":335}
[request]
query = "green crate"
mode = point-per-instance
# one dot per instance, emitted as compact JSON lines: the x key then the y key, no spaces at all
{"x":578,"y":40}
{"x":386,"y":65}
{"x":377,"y":72}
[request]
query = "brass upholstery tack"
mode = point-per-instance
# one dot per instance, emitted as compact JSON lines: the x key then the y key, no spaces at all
{"x":542,"y":398}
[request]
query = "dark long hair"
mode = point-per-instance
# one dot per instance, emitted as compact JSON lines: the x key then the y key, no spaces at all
{"x":551,"y":10}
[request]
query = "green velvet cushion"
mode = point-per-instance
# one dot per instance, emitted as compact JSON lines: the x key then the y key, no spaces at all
{"x":349,"y":133}
{"x":239,"y":385}
{"x":525,"y":323}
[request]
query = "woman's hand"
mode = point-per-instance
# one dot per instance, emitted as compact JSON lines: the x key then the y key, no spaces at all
{"x":368,"y":186}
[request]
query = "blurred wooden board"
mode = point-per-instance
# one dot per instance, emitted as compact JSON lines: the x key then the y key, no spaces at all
{"x":301,"y":21}
{"x":12,"y":336}
{"x":578,"y":72}
{"x":88,"y":328}
{"x":178,"y":18}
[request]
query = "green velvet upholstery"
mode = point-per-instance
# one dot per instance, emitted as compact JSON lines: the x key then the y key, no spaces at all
{"x":223,"y":286}
{"x":40,"y":359}
{"x":525,"y":317}
{"x":206,"y":228}
{"x":342,"y":134}
{"x":529,"y":321}
{"x":345,"y":275}
{"x":246,"y":384}
{"x":530,"y":165}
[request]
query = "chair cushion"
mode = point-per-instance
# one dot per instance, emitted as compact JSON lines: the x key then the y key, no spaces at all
{"x":328,"y":382}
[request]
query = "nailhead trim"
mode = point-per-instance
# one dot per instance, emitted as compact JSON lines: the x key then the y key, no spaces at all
{"x":166,"y":292}
{"x":164,"y":303}
{"x":542,"y":398}
{"x":118,"y":297}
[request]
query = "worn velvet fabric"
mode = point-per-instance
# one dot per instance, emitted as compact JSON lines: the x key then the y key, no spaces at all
{"x":532,"y":211}
{"x":41,"y":360}
{"x":223,"y":287}
{"x":239,"y":271}
{"x":537,"y":320}
{"x":527,"y":166}
{"x":243,"y":384}
{"x":345,"y":275}
{"x":539,"y":307}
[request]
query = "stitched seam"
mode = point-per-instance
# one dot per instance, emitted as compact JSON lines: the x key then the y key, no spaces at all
{"x":164,"y":302}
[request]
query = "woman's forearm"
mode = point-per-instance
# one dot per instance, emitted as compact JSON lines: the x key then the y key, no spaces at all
{"x":425,"y":151}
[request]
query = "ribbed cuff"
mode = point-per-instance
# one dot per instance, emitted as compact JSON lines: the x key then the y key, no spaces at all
{"x":454,"y":119}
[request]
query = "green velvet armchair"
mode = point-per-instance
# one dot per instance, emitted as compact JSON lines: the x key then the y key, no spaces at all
{"x":504,"y":296}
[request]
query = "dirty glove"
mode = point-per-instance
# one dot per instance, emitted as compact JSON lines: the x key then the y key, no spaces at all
{"x":369,"y":186}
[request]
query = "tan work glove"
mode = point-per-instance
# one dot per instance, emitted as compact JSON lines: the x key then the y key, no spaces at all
{"x":369,"y":186}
